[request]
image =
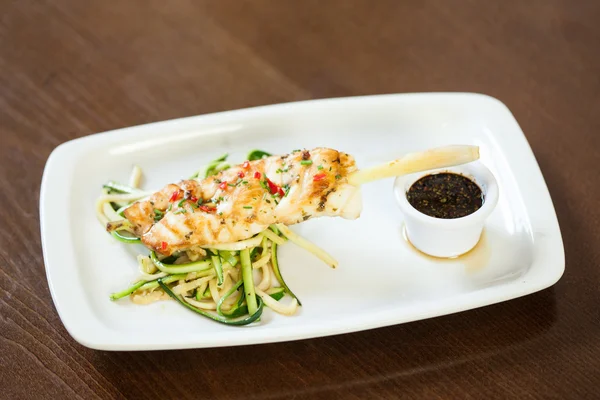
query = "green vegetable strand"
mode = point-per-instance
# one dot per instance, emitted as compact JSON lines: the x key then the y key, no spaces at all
{"x":248,"y":281}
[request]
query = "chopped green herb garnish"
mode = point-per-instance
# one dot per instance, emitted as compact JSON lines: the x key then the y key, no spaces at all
{"x":181,"y":202}
{"x":295,"y":151}
{"x":244,"y":182}
{"x":158,"y":215}
{"x":320,"y":167}
{"x":338,"y":177}
{"x":170,"y":206}
{"x":278,"y":170}
{"x":248,"y":207}
{"x":231,"y":184}
{"x":180,"y":211}
{"x":306,"y":162}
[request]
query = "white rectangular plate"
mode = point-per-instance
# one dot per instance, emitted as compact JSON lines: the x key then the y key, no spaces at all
{"x":381,"y":280}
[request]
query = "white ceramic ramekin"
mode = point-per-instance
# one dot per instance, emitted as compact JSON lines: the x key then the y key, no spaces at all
{"x":447,"y":237}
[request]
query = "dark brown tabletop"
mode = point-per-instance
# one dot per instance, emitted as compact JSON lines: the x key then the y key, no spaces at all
{"x":70,"y":68}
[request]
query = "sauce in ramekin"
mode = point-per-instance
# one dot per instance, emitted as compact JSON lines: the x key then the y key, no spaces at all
{"x":445,"y":195}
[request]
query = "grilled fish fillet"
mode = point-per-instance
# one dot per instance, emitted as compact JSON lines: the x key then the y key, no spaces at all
{"x":244,"y":200}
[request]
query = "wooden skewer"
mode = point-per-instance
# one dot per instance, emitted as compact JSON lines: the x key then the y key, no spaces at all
{"x":441,"y":157}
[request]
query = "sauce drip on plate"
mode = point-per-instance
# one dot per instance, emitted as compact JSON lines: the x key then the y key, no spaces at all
{"x":445,"y":195}
{"x":473,"y":260}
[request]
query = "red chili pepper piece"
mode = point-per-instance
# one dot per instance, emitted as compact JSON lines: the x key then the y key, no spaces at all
{"x":257,"y":175}
{"x":207,"y":209}
{"x":163,"y":246}
{"x":281,"y":192}
{"x":319,"y":177}
{"x":223,"y":185}
{"x":246,"y":164}
{"x":273,"y":188}
{"x":174,"y":196}
{"x":193,"y":199}
{"x":241,"y":174}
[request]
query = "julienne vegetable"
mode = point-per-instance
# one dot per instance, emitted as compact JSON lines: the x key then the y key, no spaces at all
{"x":214,"y":167}
{"x":277,"y":272}
{"x":230,"y":283}
{"x":224,"y":320}
{"x":248,"y":281}
{"x":257,"y":155}
{"x":125,"y":239}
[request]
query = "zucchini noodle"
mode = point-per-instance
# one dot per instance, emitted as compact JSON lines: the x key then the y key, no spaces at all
{"x":305,"y":244}
{"x":273,"y":304}
{"x":136,"y":177}
{"x":237,"y":246}
{"x":261,"y":262}
{"x":265,"y":282}
{"x":152,"y":277}
{"x":229,"y":283}
{"x":115,"y":198}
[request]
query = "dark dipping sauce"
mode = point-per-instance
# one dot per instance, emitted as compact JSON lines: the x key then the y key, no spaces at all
{"x":445,"y":195}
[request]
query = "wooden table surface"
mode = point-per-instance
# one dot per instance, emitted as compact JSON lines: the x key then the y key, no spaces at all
{"x":70,"y":68}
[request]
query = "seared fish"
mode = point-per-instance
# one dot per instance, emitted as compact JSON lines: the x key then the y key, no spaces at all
{"x":244,"y":200}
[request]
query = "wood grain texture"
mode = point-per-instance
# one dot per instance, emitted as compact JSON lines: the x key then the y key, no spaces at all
{"x":71,"y":68}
